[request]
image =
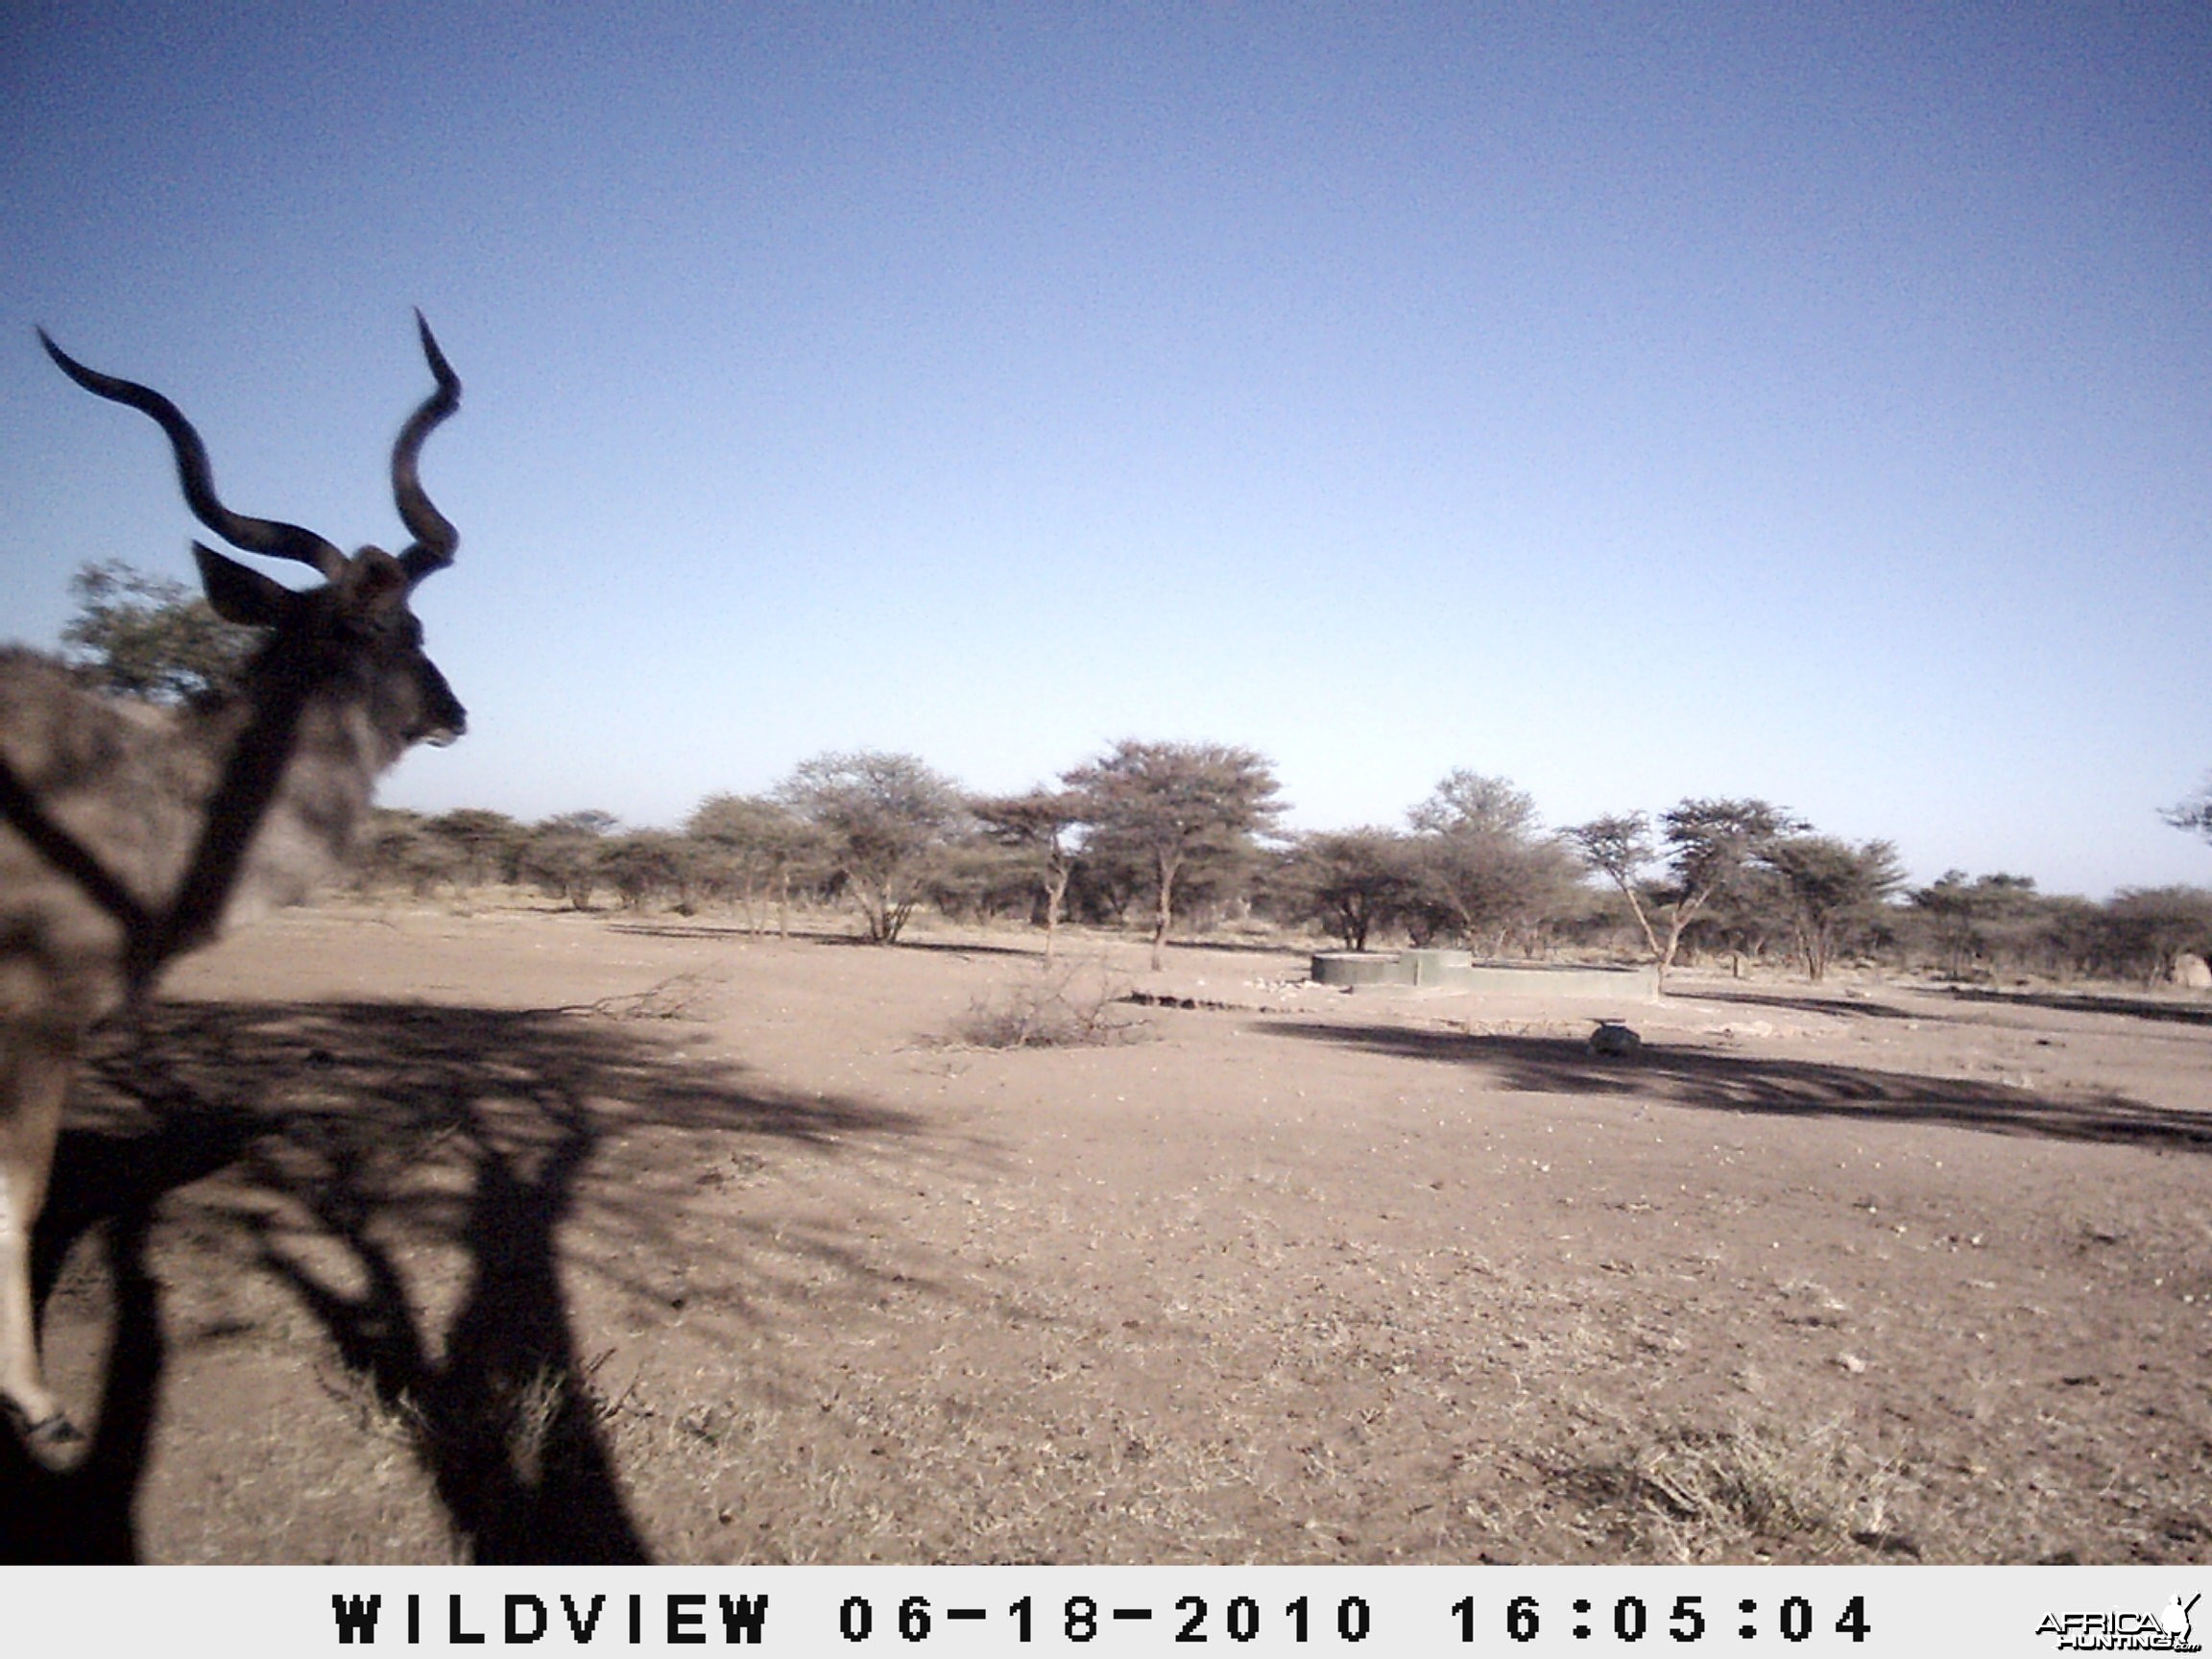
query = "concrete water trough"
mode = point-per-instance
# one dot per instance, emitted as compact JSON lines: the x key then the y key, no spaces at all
{"x":1458,"y":971}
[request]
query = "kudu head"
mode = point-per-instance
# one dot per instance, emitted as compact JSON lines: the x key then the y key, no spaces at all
{"x":354,"y":634}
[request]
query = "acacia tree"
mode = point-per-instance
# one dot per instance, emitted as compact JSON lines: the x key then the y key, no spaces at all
{"x":562,"y":855}
{"x":754,"y":845}
{"x":1485,"y":867}
{"x":395,"y":847}
{"x":1831,"y":884}
{"x":1710,"y":846}
{"x":644,"y":862}
{"x":1173,"y":802}
{"x":1974,"y":919}
{"x":1039,"y":825}
{"x":2145,"y":930}
{"x":1352,"y":881}
{"x":2193,"y":814}
{"x":150,"y":636}
{"x":885,"y":821}
{"x":487,"y":845}
{"x":1619,"y":847}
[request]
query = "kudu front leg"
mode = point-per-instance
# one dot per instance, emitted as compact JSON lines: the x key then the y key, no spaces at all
{"x":36,"y":1066}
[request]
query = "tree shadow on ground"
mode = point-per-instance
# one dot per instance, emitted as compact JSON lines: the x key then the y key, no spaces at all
{"x":739,"y":933}
{"x":2090,"y":1003}
{"x":1787,"y":1087}
{"x":1205,"y":944}
{"x":736,"y":931}
{"x":905,"y":944}
{"x":1842,"y":1007}
{"x":332,"y":1142}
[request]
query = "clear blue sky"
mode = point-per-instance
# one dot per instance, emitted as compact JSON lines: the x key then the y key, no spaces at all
{"x":1636,"y":402}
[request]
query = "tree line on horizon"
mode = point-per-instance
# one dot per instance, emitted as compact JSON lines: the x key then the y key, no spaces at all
{"x":1179,"y":838}
{"x":1186,"y":834}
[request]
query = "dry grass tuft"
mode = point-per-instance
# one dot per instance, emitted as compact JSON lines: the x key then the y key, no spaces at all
{"x":393,"y":1421}
{"x":1690,"y":1493}
{"x":679,"y":997}
{"x":1061,"y":1005}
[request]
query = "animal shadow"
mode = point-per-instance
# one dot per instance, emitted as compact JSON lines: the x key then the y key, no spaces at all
{"x":319,"y":1144}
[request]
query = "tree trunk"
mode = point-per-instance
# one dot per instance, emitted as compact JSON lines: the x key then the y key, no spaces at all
{"x":1642,"y":921}
{"x":1684,"y":911}
{"x":1055,"y":892}
{"x":1164,"y":867}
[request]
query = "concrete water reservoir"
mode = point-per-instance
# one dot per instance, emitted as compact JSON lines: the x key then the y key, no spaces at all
{"x":1435,"y":967}
{"x":1357,"y":968}
{"x":1458,"y":971}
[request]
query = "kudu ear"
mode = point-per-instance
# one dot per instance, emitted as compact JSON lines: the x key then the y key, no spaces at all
{"x":240,"y":593}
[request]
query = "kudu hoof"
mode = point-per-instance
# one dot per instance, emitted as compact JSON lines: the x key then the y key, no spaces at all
{"x":53,"y":1441}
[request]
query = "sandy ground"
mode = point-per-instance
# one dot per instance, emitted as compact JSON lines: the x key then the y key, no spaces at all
{"x":430,"y":1236}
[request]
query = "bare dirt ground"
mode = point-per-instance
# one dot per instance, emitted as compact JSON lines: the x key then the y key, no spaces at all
{"x":426,"y":1235}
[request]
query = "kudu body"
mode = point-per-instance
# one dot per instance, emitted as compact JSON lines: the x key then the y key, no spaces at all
{"x":131,"y":834}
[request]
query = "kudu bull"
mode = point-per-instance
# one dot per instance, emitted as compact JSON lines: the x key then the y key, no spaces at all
{"x":131,"y":834}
